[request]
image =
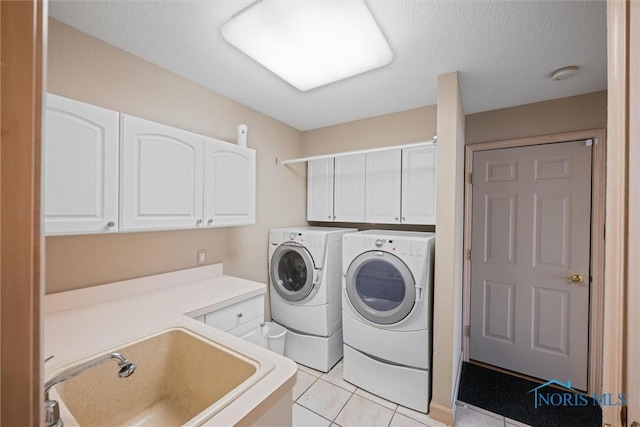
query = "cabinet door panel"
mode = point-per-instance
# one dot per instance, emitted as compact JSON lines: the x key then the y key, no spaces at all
{"x":80,"y":167}
{"x":383,"y":187}
{"x":161,"y":176}
{"x":230,"y":184}
{"x":320,"y":190}
{"x":419,"y":185}
{"x":349,"y":188}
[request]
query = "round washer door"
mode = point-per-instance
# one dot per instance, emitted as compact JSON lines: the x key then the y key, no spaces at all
{"x":292,"y":271}
{"x":380,"y":287}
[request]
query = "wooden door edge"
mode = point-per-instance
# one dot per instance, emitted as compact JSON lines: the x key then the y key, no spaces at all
{"x":632,"y":373}
{"x":23,"y":46}
{"x":613,"y":369}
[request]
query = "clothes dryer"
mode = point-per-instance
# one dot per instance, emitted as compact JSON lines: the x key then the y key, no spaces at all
{"x":387,"y":314}
{"x":305,"y":266}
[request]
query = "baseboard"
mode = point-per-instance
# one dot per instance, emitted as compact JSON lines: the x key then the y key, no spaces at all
{"x":442,"y":413}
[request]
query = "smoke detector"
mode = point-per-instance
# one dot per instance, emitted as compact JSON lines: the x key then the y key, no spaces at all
{"x":564,"y":73}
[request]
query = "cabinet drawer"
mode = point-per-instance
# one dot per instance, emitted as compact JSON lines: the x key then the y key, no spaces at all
{"x":250,"y":328}
{"x":237,"y":314}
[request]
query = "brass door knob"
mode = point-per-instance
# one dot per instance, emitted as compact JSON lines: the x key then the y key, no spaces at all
{"x":575,"y":278}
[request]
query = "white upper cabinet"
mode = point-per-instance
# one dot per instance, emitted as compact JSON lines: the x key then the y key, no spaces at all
{"x":349,"y":198}
{"x":107,"y":172}
{"x":229,"y":184}
{"x":320,"y":190}
{"x":80,"y":173}
{"x":382,"y":198}
{"x":419,"y":185}
{"x":394,"y":186}
{"x":162,"y":176}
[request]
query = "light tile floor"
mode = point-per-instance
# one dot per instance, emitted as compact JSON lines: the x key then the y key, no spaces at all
{"x":325,"y":399}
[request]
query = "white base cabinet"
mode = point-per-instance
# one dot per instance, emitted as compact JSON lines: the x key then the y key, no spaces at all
{"x":239,"y":319}
{"x":80,"y":173}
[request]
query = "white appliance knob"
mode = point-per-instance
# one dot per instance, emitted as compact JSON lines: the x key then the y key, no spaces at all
{"x":292,"y":236}
{"x":379,"y":243}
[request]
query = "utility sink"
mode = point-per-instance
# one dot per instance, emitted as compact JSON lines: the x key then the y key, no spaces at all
{"x":181,"y":379}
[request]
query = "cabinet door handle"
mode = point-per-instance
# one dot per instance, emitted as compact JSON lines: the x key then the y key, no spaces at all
{"x":239,"y":315}
{"x":111,"y":224}
{"x":198,"y":222}
{"x":210,"y":221}
{"x":404,"y":218}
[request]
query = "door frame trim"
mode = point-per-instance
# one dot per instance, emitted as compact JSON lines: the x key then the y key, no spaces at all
{"x":23,"y":75}
{"x":596,"y":295}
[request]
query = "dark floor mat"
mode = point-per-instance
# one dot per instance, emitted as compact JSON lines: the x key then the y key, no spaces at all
{"x":510,"y":396}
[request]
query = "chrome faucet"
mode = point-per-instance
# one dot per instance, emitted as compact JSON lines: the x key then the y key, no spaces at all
{"x":52,"y":408}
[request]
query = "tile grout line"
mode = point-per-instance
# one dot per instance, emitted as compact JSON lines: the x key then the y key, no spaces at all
{"x":395,"y":411}
{"x":330,"y":383}
{"x":343,"y":406}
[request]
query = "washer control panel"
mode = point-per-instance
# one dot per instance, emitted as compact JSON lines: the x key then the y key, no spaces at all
{"x":400,"y":247}
{"x":308,"y":240}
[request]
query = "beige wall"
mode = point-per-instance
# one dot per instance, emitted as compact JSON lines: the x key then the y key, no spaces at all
{"x":404,"y":127}
{"x":390,"y":129}
{"x":562,"y":115}
{"x":447,"y":312}
{"x":87,"y":69}
{"x":454,"y":130}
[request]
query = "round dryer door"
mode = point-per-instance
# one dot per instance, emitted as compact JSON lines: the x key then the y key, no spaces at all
{"x":380,"y":287}
{"x":292,"y":271}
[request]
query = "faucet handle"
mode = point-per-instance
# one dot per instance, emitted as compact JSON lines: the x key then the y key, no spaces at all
{"x":52,"y":414}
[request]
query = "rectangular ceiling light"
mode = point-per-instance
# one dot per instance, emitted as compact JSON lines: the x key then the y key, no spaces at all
{"x":310,"y":43}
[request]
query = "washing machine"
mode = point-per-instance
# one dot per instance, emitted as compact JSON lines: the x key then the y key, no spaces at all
{"x":387,"y":306}
{"x":305,"y":277}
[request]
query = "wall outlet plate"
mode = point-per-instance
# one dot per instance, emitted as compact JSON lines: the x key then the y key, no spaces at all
{"x":202,"y":256}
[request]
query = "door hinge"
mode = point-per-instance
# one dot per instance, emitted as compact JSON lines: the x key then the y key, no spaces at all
{"x":467,"y":331}
{"x":471,"y":178}
{"x":469,"y":254}
{"x":623,"y":415}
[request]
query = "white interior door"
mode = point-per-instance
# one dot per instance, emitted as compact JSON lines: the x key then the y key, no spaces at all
{"x":530,"y":234}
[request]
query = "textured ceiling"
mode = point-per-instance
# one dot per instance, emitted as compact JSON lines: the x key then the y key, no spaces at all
{"x":504,"y":51}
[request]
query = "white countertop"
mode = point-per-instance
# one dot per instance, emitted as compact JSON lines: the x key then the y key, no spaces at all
{"x":84,"y":323}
